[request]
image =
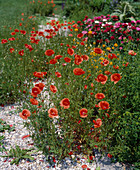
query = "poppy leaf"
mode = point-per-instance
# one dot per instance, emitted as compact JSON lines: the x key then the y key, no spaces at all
{"x":28,"y":157}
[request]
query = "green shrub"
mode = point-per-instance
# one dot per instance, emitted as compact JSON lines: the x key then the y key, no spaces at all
{"x":125,"y":11}
{"x":125,"y":143}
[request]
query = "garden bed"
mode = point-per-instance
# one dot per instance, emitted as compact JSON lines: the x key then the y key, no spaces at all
{"x":74,"y":89}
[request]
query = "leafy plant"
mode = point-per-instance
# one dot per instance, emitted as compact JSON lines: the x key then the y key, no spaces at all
{"x":125,"y":144}
{"x":2,"y":148}
{"x":4,"y":126}
{"x":19,"y":154}
{"x":125,"y":11}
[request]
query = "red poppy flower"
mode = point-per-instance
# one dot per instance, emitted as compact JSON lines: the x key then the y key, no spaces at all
{"x":58,"y":74}
{"x":34,"y":101}
{"x":111,"y":56}
{"x":98,"y":50}
{"x":11,"y":39}
{"x":44,"y":73}
{"x":80,"y":35}
{"x":97,"y":123}
{"x":109,"y":155}
{"x":25,"y":114}
{"x":34,"y":95}
{"x":101,"y":78}
{"x":107,"y":72}
{"x":53,"y":88}
{"x":38,"y":74}
{"x":104,"y":105}
{"x":107,"y":115}
{"x":70,"y":51}
{"x":36,"y":90}
{"x":16,"y":30}
{"x":78,"y":60}
{"x":85,"y":87}
{"x":115,"y":77}
{"x":79,"y":122}
{"x":70,"y":153}
{"x":84,"y":166}
{"x":126,"y":64}
{"x":23,"y":32}
{"x":40,"y":33}
{"x":78,"y":71}
{"x":13,"y":33}
{"x":30,"y":48}
{"x":85,"y":57}
{"x":67,"y":59}
{"x":105,"y":62}
{"x":73,"y":46}
{"x":90,"y":157}
{"x":40,"y":86}
{"x":53,"y":61}
{"x":99,"y":96}
{"x":53,"y":112}
{"x":82,"y":43}
{"x":3,"y":41}
{"x":65,"y":103}
{"x":116,"y":67}
{"x":91,"y":84}
{"x":83,"y":112}
{"x":21,"y":52}
{"x":11,"y":50}
{"x":49,"y":52}
{"x":58,"y":57}
{"x":68,"y":45}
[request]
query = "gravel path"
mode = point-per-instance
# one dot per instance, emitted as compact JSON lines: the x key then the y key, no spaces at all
{"x":10,"y":115}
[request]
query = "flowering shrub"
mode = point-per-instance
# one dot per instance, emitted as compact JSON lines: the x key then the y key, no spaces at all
{"x":106,"y":30}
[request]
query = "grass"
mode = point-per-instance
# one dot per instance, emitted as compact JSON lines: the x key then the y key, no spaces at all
{"x":10,"y":10}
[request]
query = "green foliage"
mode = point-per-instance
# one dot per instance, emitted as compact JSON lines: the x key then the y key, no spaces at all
{"x":98,"y":5}
{"x":19,"y":154}
{"x":76,"y":11}
{"x":2,"y":148}
{"x":79,"y":13}
{"x":4,"y":126}
{"x":125,"y":143}
{"x":10,"y":12}
{"x":129,"y":99}
{"x":41,"y":7}
{"x":136,"y":5}
{"x":125,"y":12}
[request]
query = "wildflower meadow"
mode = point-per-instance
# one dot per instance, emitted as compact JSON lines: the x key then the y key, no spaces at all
{"x":78,"y":82}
